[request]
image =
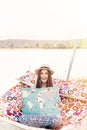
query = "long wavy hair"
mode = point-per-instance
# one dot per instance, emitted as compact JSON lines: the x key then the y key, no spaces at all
{"x":49,"y":81}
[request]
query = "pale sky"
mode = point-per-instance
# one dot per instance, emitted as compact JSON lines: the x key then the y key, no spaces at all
{"x":43,"y":19}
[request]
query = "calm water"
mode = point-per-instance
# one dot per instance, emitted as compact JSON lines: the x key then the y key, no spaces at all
{"x":14,"y":63}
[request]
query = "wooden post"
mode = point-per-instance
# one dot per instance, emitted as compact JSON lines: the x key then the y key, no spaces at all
{"x":71,"y":62}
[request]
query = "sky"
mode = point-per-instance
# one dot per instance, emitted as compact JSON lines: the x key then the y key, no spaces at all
{"x":43,"y":19}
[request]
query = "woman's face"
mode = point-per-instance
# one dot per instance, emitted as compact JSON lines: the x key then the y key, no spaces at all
{"x":44,"y":76}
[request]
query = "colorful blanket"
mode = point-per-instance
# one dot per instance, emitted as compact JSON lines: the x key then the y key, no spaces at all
{"x":73,"y":101}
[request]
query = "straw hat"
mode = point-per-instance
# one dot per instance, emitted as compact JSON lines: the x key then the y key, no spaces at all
{"x":46,"y":67}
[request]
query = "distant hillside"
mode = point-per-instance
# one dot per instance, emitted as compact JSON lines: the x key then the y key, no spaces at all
{"x":45,"y":44}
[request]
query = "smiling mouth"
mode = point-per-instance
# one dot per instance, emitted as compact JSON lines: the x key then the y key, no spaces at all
{"x":44,"y":79}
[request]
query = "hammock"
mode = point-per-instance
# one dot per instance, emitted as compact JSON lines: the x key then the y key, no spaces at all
{"x":73,"y":102}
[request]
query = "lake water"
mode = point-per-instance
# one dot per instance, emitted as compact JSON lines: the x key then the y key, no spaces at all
{"x":15,"y":62}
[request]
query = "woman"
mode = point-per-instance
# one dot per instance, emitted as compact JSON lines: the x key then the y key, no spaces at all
{"x":44,"y":79}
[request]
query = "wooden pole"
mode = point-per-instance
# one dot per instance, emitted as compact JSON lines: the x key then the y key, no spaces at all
{"x":71,"y":62}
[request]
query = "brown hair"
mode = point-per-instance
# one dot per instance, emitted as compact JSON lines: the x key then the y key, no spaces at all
{"x":49,"y":82}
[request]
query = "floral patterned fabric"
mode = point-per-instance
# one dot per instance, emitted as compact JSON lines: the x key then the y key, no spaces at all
{"x":29,"y":79}
{"x":10,"y":103}
{"x":72,"y":89}
{"x":73,"y":110}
